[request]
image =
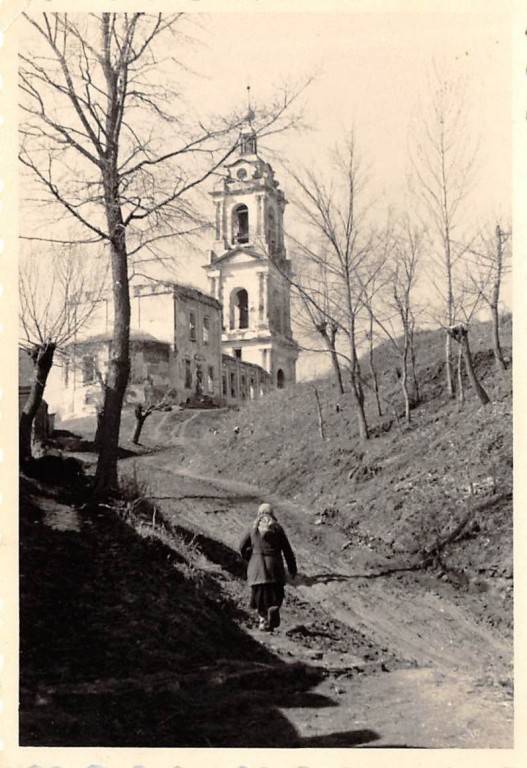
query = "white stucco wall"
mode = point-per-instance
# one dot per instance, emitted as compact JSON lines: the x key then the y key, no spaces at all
{"x":154,"y":313}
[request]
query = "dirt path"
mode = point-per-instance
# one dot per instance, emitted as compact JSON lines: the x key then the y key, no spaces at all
{"x":406,"y":665}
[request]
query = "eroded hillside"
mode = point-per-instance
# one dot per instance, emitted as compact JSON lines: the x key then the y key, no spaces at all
{"x":406,"y":491}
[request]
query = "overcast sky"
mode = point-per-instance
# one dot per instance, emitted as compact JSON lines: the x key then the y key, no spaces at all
{"x":371,"y":72}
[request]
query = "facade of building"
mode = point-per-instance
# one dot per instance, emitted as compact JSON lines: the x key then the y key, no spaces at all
{"x":242,"y":381}
{"x":249,"y":270}
{"x":189,"y":321}
{"x":85,"y":367}
{"x":175,"y":354}
{"x":225,"y":347}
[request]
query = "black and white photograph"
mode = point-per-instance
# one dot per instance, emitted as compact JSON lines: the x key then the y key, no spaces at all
{"x":259,"y":303}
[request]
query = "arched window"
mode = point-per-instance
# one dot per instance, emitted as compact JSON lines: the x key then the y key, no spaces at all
{"x":239,"y":314}
{"x":248,"y":144}
{"x":240,"y":224}
{"x":280,"y":379}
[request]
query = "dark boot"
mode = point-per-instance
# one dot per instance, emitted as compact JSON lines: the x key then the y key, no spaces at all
{"x":273,"y":616}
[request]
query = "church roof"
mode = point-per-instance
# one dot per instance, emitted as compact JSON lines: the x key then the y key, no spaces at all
{"x":248,"y":249}
{"x":179,"y":290}
{"x":107,"y":336}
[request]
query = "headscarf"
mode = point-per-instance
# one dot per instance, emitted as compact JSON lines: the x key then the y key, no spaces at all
{"x":265,"y":519}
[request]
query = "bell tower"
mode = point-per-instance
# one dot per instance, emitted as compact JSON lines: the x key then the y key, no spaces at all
{"x":249,"y":269}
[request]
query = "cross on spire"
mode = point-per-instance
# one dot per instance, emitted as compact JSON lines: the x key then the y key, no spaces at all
{"x":250,"y":112}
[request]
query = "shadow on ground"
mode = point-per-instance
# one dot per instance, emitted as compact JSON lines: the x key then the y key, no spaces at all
{"x":327,"y":578}
{"x":118,"y":647}
{"x":68,"y":441}
{"x":214,"y":550}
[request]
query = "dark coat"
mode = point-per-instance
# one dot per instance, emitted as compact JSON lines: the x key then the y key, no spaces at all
{"x":264,"y":555}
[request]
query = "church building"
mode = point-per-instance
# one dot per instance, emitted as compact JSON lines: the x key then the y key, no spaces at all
{"x":249,"y":270}
{"x":232,"y":344}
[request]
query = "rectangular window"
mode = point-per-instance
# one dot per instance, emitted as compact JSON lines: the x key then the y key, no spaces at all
{"x":188,"y":375}
{"x":238,"y":353}
{"x":210,"y":380}
{"x":192,"y":326}
{"x":224,"y":385}
{"x":88,"y":369}
{"x":233,"y":385}
{"x":206,"y":330}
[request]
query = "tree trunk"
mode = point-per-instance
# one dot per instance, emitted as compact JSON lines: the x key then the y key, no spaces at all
{"x":407,"y":409}
{"x":98,"y":430}
{"x":460,"y":334}
{"x":496,"y":345}
{"x":357,"y":393}
{"x":42,"y":356}
{"x":358,"y":401}
{"x":373,"y":370}
{"x":140,"y":418}
{"x":320,"y":420}
{"x":119,"y":363}
{"x":460,"y":387}
{"x":336,"y":369}
{"x":494,"y":304}
{"x":415,"y":382}
{"x":448,"y":366}
{"x":357,"y":377}
{"x":330,"y":340}
{"x":404,"y":382}
{"x":467,"y":356}
{"x":139,"y":421}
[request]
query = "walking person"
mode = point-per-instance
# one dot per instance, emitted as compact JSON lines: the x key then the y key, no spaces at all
{"x":262,"y":547}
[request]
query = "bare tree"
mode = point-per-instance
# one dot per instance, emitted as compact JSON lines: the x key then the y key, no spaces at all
{"x":460,"y":334}
{"x":391,"y":304}
{"x":104,"y":134}
{"x":141,"y":413}
{"x":336,"y":217}
{"x":50,"y":286}
{"x":468,"y":303}
{"x":312,"y":291}
{"x":442,"y":160}
{"x":492,"y":265}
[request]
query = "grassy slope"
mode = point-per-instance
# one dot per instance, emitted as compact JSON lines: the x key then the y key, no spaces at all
{"x":407,"y":485}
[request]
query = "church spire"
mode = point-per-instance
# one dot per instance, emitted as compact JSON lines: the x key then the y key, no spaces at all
{"x":250,"y":113}
{"x":247,"y":142}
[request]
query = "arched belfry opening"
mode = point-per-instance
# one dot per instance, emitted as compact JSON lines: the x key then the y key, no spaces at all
{"x":247,"y":144}
{"x":240,"y":224}
{"x":280,"y":379}
{"x":239,"y":309}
